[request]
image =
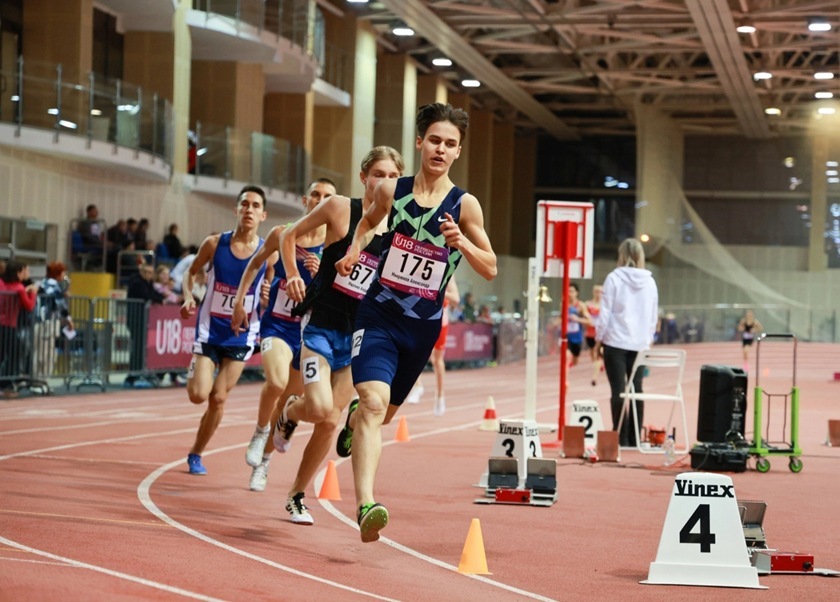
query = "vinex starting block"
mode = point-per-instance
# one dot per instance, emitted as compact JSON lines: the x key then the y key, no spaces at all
{"x":516,"y":472}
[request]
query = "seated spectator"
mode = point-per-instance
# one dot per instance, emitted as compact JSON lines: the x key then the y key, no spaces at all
{"x":173,"y":243}
{"x":468,"y":308}
{"x":118,"y":240}
{"x":164,"y":285}
{"x":90,"y":228}
{"x":484,"y":315}
{"x":141,"y":236}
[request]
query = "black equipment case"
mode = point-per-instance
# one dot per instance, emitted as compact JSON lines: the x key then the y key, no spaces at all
{"x":719,"y":457}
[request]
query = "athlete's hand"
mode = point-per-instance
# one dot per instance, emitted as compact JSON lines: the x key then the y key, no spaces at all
{"x":187,"y":309}
{"x":312,"y":263}
{"x":264,"y":292}
{"x":239,"y":319}
{"x":452,"y":233}
{"x":345,"y":265}
{"x":295,"y":288}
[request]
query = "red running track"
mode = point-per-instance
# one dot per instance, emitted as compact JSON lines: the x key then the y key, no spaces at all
{"x":96,"y":503}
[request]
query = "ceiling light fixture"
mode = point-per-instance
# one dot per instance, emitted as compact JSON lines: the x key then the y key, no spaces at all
{"x":357,"y":1}
{"x":826,"y":110}
{"x":745,"y":27}
{"x":824,"y":95}
{"x":442,"y":62}
{"x":759,"y":75}
{"x":773,"y":111}
{"x":818,"y":24}
{"x":470,"y":83}
{"x":823,"y":75}
{"x":401,"y":29}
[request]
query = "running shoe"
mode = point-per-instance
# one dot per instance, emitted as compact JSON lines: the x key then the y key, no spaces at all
{"x":259,"y":477}
{"x":196,"y":467}
{"x":344,"y":442}
{"x":440,"y":406}
{"x":298,"y":511}
{"x":373,"y":518}
{"x":284,"y":430}
{"x":415,"y":395}
{"x":254,"y":453}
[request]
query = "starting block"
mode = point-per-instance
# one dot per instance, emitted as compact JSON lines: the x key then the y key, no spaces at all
{"x":518,"y":440}
{"x":540,"y":487}
{"x":703,"y":540}
{"x":587,"y":413}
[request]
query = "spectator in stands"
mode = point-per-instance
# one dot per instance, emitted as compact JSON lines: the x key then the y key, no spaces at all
{"x":173,"y":244}
{"x":53,"y":317}
{"x":141,"y":236}
{"x":165,"y":286}
{"x":90,"y":228}
{"x":118,"y":240}
{"x":181,"y":268}
{"x":468,"y":313}
{"x":14,"y":296}
{"x":484,"y":315}
{"x":140,"y":288}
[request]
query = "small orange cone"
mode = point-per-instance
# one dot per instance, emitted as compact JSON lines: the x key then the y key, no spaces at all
{"x":402,"y":430}
{"x":491,"y":421}
{"x":329,"y":488}
{"x":473,"y":559}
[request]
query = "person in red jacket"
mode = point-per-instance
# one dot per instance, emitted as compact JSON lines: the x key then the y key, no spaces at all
{"x":14,"y":296}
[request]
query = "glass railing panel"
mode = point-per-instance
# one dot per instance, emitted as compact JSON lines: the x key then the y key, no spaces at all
{"x":211,"y":151}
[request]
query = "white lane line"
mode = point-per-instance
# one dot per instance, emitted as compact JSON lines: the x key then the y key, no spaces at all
{"x":143,"y":493}
{"x":92,"y":567}
{"x":327,"y":505}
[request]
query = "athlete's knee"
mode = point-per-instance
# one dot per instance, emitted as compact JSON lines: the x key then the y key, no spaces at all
{"x":274,"y":388}
{"x":217,"y":398}
{"x":195,"y":395}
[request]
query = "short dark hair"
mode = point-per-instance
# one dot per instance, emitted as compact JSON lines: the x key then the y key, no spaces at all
{"x":13,"y":270}
{"x":255,"y":190}
{"x":574,"y":286}
{"x":437,"y":111}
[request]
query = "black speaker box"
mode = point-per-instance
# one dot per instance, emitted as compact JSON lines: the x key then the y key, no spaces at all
{"x":722,"y":410}
{"x":718,"y":457}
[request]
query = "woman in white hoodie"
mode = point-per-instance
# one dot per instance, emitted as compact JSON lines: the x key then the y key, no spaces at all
{"x":626,"y":325}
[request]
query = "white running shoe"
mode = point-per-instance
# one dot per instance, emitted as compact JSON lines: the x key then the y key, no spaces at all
{"x":256,"y":448}
{"x":259,"y":477}
{"x":440,"y":406}
{"x":284,"y":429}
{"x":415,"y":394}
{"x":298,"y":511}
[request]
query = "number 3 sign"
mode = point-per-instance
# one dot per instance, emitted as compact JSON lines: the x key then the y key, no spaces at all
{"x":703,"y":541}
{"x":518,"y":439}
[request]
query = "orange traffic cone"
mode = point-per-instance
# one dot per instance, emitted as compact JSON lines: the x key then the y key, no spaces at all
{"x":329,"y":488}
{"x":491,"y":421}
{"x":402,"y":430}
{"x":473,"y":559}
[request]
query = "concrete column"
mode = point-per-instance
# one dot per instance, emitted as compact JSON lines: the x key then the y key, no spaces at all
{"x":503,"y":205}
{"x":460,"y":171}
{"x":817,"y":258}
{"x":659,"y":169}
{"x":396,"y":105}
{"x":480,"y":163}
{"x":523,"y":213}
{"x":56,"y":33}
{"x":181,"y":70}
{"x":343,"y":136}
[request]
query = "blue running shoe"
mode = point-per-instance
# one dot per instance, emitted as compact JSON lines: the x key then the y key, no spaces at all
{"x":373,"y":518}
{"x":196,"y":467}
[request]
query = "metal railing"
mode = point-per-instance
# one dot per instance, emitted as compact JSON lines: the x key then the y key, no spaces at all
{"x":235,"y":154}
{"x":40,"y":95}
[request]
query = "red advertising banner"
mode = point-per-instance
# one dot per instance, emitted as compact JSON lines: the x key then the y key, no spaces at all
{"x":169,"y":339}
{"x":469,"y":342}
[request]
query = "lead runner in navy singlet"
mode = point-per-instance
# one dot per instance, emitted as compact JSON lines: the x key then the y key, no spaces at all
{"x":432,"y":224}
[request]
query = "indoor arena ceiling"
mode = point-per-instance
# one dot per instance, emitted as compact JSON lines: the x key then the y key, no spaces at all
{"x":577,"y":67}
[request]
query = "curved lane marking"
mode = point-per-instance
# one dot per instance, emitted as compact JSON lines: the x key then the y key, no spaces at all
{"x":92,"y":567}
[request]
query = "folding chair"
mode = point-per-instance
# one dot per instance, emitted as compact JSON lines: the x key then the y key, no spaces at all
{"x":657,"y":358}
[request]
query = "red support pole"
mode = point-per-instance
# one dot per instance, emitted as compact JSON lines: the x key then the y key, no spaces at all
{"x":565,"y":238}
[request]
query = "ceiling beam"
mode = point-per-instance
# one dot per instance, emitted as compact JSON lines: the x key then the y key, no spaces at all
{"x":439,"y":33}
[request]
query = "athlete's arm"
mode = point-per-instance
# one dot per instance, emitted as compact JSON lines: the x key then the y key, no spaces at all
{"x":320,"y":216}
{"x":383,"y":198}
{"x":469,"y":237}
{"x":239,"y":318}
{"x":451,"y":293}
{"x":205,"y":254}
{"x":268,"y":279}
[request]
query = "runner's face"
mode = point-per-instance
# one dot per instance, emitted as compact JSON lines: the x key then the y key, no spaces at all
{"x":440,"y":147}
{"x":384,"y":169}
{"x":317,"y":193}
{"x":250,"y":211}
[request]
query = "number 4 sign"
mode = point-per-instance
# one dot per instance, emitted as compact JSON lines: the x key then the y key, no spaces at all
{"x":703,"y":541}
